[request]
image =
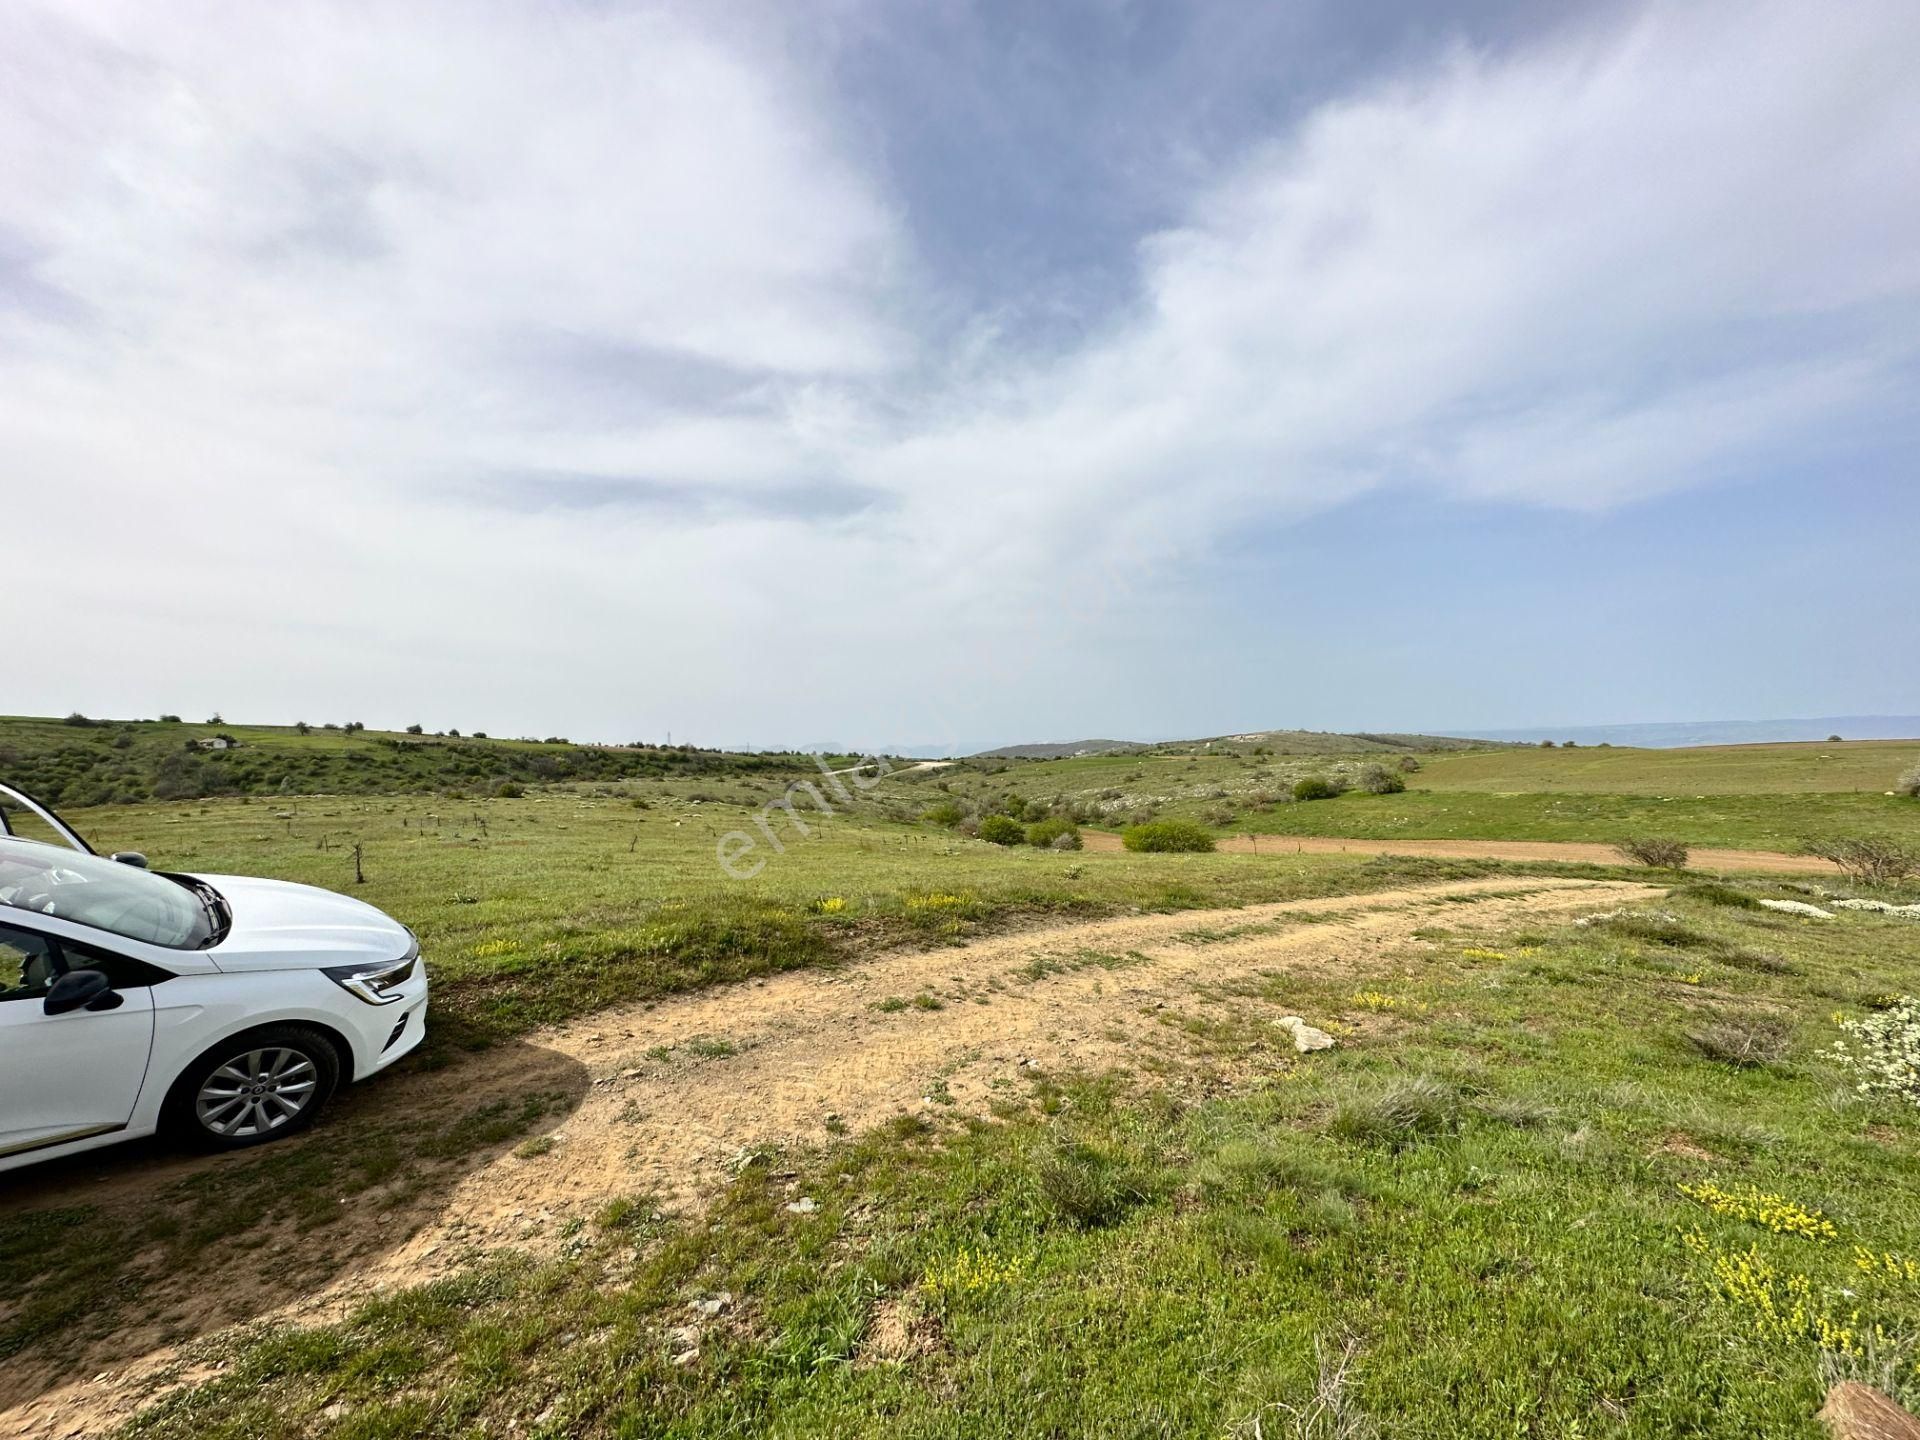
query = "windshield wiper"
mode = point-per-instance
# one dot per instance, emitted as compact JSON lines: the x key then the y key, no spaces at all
{"x":219,"y":917}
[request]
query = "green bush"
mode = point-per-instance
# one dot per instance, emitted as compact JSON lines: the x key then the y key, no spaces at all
{"x":1003,"y":830}
{"x":1379,"y":780}
{"x":946,"y":812}
{"x":1160,"y":836}
{"x":1051,"y":833}
{"x":1315,"y":787}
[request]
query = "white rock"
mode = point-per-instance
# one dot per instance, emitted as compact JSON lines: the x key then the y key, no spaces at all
{"x":1797,"y":907}
{"x":1305,"y":1037}
{"x":805,"y":1206}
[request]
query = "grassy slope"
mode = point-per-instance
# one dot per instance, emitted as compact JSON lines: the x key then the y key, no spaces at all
{"x":123,"y":762}
{"x":1867,"y":766}
{"x":1479,"y":1192}
{"x":1767,"y":797}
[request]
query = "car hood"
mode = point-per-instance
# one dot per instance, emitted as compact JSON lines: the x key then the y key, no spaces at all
{"x":278,"y":925}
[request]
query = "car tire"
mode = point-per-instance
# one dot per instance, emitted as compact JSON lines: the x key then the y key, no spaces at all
{"x":254,"y":1087}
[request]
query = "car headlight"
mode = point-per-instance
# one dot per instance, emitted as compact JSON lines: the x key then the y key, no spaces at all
{"x":377,"y":982}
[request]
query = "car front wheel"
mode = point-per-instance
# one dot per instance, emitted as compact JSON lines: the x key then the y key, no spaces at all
{"x":255,"y":1087}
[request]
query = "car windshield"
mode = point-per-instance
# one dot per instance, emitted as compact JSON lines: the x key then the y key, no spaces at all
{"x":104,"y":894}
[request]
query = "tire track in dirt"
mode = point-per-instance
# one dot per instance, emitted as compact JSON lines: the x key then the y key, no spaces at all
{"x":1568,"y":852}
{"x":679,"y":1089}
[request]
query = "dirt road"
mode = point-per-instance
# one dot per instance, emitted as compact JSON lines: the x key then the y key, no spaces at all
{"x":1568,"y":851}
{"x":669,"y":1097}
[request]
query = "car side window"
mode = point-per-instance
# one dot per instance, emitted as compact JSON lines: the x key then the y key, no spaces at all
{"x":122,"y":971}
{"x":28,"y":964}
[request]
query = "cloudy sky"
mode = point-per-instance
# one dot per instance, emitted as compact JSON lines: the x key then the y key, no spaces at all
{"x":958,"y":373}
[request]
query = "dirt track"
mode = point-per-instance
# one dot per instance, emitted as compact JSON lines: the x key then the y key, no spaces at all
{"x":671,"y":1095}
{"x":1568,"y":851}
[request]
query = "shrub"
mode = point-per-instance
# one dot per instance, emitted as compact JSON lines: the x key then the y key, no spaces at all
{"x":1315,"y":787}
{"x":1050,"y":833}
{"x":508,"y":789}
{"x":1379,"y":780}
{"x":1651,"y":850}
{"x":946,"y":812}
{"x":1743,"y":1040}
{"x":1884,"y":1051}
{"x":1909,"y":783}
{"x":1408,"y":764}
{"x":1003,"y":830}
{"x":1162,"y":836}
{"x":1867,"y":859}
{"x":1034,"y":810}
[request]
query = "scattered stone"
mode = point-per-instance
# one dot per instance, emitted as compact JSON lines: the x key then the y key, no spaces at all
{"x":716,"y":1302}
{"x":1305,"y":1037}
{"x":1797,"y":907}
{"x":803,"y":1206}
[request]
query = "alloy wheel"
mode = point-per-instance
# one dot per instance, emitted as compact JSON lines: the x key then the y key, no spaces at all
{"x":256,"y":1092}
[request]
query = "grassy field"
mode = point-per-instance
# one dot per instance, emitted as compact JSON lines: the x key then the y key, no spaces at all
{"x":1475,"y":1199}
{"x":536,"y":909}
{"x":1526,"y":1197}
{"x":1762,"y":797}
{"x":1862,"y":766}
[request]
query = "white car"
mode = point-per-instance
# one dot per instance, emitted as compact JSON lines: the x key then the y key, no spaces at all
{"x":215,"y":1007}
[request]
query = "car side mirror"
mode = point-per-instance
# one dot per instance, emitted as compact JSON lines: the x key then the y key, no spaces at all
{"x":81,"y":990}
{"x":131,"y":857}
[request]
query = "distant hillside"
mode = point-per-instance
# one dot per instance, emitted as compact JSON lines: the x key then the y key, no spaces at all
{"x":1277,"y":742}
{"x":77,"y":762}
{"x":1666,"y":736}
{"x":1065,"y":750}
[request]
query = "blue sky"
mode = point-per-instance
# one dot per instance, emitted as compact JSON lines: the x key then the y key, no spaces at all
{"x":963,"y":373}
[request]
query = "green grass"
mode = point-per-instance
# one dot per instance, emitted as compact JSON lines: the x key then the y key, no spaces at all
{"x":1865,"y":766}
{"x":534,"y":910}
{"x":1741,"y":822}
{"x":1741,"y":797}
{"x":1483,"y":1199}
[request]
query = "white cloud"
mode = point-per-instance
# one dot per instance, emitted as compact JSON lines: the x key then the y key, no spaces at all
{"x":345,"y":326}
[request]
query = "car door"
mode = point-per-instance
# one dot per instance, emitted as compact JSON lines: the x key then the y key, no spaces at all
{"x":64,"y":1077}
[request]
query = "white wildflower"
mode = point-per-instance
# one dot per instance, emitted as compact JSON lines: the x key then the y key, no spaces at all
{"x":1885,"y":1051}
{"x":1797,"y":907}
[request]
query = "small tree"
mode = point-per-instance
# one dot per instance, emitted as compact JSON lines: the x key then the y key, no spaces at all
{"x":1379,"y":780}
{"x":301,"y":727}
{"x":1003,"y":830}
{"x":1909,"y":783}
{"x":1867,"y":859}
{"x":1651,"y":850}
{"x":1056,"y":832}
{"x":415,"y":730}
